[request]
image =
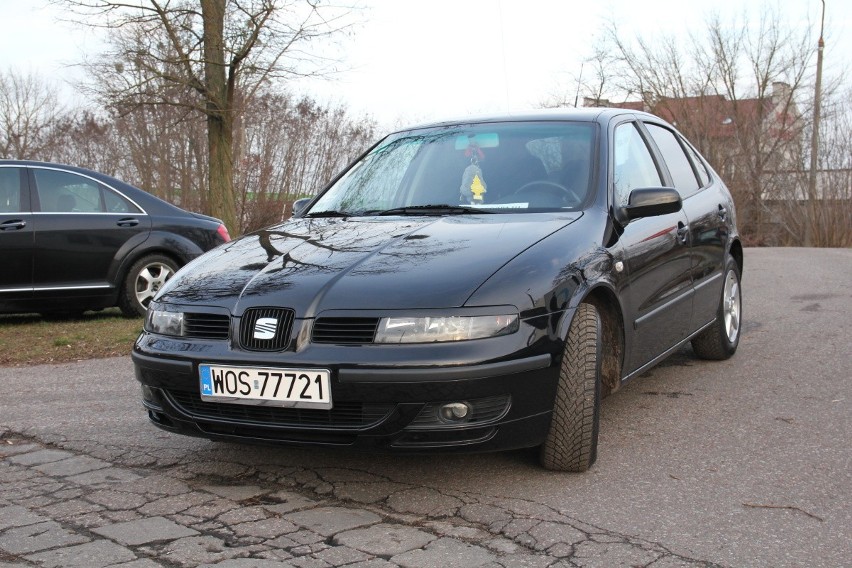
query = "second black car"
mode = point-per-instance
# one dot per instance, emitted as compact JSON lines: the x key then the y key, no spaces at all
{"x":72,"y":240}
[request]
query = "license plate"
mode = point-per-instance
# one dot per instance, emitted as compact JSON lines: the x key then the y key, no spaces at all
{"x":290,"y":388}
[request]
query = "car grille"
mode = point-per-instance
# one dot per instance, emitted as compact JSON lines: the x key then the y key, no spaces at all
{"x":343,"y":415}
{"x":350,"y":331}
{"x":266,"y":329}
{"x":206,"y":326}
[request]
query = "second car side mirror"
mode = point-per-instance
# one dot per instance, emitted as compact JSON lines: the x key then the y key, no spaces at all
{"x":652,"y":201}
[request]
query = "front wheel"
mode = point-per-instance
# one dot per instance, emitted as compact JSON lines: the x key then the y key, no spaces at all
{"x":720,"y":340}
{"x":143,"y":281}
{"x":572,"y":442}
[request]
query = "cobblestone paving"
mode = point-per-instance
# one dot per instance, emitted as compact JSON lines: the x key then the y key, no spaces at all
{"x":62,"y":506}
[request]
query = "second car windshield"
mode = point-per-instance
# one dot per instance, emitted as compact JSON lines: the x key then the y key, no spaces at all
{"x":489,"y":167}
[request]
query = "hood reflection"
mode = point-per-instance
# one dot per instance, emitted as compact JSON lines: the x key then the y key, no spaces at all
{"x":360,"y":263}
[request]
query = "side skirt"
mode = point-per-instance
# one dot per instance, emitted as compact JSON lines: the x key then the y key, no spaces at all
{"x":665,"y":354}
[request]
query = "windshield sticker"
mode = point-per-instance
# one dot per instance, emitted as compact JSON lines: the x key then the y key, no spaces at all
{"x":500,"y":205}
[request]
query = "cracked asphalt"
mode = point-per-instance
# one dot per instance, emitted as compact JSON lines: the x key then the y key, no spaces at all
{"x":744,"y":462}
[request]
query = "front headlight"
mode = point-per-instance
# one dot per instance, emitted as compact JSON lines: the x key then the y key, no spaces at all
{"x":450,"y":328}
{"x":164,"y":323}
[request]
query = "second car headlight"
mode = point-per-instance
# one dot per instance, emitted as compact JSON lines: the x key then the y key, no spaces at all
{"x":449,"y":328}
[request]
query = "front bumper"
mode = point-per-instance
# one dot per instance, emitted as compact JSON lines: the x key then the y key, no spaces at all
{"x":379,"y":407}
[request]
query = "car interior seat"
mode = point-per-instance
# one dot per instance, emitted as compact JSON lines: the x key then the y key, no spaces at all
{"x":509,"y":169}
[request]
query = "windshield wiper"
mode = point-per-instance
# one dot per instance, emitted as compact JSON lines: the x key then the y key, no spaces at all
{"x":328,"y":213}
{"x":432,"y":209}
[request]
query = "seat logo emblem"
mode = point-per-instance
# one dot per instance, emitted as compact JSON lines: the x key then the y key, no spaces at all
{"x":265,"y":328}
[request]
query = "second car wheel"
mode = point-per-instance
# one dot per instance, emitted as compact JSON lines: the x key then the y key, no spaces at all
{"x":143,"y":281}
{"x":572,"y":442}
{"x":720,"y":340}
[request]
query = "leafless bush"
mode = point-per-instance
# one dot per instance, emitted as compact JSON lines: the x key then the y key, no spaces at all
{"x":291,"y":149}
{"x":742,"y":93}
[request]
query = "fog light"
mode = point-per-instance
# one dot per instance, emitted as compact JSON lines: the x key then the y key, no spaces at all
{"x":148,"y":394}
{"x":455,"y":412}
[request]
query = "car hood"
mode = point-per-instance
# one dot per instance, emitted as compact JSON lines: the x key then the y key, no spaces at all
{"x":312,"y":265}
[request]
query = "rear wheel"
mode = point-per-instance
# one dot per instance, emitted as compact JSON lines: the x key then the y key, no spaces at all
{"x":143,"y":281}
{"x":572,"y":442}
{"x":720,"y":340}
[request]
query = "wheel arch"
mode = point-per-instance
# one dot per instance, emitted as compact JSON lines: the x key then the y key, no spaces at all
{"x":130,"y":260}
{"x":180,"y":249}
{"x":605,"y":300}
{"x":736,"y":251}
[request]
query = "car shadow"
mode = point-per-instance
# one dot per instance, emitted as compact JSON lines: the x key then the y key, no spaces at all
{"x":64,"y":316}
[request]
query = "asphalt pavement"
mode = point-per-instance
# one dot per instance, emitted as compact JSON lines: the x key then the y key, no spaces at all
{"x":746,"y":462}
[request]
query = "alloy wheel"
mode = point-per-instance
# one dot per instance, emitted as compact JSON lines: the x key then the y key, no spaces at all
{"x":150,"y":280}
{"x":731,"y":306}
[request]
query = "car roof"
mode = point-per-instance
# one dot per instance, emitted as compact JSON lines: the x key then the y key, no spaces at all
{"x":582,"y":114}
{"x":149,"y":202}
{"x":70,"y":168}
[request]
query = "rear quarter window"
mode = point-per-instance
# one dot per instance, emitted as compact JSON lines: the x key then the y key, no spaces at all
{"x":700,"y":168}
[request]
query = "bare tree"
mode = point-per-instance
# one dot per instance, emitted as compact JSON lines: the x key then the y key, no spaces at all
{"x":736,"y":90}
{"x":166,"y":153}
{"x":291,"y":148}
{"x":29,"y":116}
{"x":90,"y":141}
{"x":594,"y":82}
{"x":213,"y":54}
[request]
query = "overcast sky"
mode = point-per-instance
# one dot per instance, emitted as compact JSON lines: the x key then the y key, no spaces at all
{"x":413,"y":61}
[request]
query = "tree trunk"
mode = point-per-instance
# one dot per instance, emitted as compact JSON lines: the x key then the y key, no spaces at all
{"x":221,"y":170}
{"x":220,"y":122}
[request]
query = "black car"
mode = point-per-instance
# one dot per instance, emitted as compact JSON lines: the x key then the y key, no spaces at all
{"x":473,"y":285}
{"x":74,"y":240}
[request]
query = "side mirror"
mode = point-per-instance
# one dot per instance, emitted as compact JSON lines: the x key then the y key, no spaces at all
{"x":652,"y":201}
{"x":300,"y":204}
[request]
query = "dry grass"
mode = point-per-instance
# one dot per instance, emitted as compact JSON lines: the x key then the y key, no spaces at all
{"x":33,"y":340}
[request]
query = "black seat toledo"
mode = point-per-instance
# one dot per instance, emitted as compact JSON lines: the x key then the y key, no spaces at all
{"x":472,"y":285}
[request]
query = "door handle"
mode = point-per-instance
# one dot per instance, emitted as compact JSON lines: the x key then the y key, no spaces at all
{"x":13,"y":225}
{"x":127,"y":222}
{"x":722,"y":213}
{"x":682,"y":233}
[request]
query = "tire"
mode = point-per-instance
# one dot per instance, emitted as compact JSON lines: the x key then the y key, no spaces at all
{"x":572,"y":442}
{"x":720,"y":340}
{"x":143,"y":281}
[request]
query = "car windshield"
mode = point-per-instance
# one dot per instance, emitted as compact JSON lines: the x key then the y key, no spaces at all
{"x":469,"y":169}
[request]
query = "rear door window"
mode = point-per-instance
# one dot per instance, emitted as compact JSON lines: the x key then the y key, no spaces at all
{"x":66,"y":192}
{"x":679,"y":165}
{"x":115,"y":203}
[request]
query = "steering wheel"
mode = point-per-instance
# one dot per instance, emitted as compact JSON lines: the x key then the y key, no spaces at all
{"x":550,"y":188}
